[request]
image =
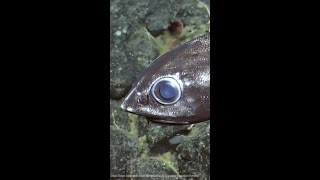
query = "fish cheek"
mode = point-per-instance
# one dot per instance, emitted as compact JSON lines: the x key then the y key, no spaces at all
{"x":189,"y":102}
{"x":146,"y":105}
{"x":155,"y":109}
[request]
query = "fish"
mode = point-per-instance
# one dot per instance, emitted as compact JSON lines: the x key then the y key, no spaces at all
{"x":175,"y":88}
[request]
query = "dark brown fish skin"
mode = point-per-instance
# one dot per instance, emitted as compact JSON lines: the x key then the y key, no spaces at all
{"x":189,"y":64}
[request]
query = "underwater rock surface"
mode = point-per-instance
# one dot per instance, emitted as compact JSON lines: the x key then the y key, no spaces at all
{"x":141,"y":30}
{"x":123,"y":148}
{"x":194,"y":151}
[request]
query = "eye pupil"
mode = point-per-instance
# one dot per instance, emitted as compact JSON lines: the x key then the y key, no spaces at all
{"x":167,"y":91}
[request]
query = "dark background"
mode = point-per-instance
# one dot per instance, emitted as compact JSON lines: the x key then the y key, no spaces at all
{"x":55,"y":72}
{"x":264,"y":89}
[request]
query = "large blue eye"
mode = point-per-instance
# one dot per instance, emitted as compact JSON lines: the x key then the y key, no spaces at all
{"x":166,"y":90}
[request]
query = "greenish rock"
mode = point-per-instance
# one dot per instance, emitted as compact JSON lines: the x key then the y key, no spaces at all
{"x":131,"y":46}
{"x":134,"y":10}
{"x":191,"y":12}
{"x":176,"y":139}
{"x":142,"y":125}
{"x":194,"y":151}
{"x":128,"y":58}
{"x":196,"y":16}
{"x":160,"y":167}
{"x":161,"y":14}
{"x":128,"y":122}
{"x":159,"y":135}
{"x":141,"y":49}
{"x":118,"y":117}
{"x":123,"y":148}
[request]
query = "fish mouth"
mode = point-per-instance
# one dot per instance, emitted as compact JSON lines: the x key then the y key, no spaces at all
{"x":127,"y":108}
{"x":154,"y":119}
{"x":129,"y":101}
{"x":166,"y":121}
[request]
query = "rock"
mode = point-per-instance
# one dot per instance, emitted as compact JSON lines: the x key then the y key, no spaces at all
{"x":128,"y":59}
{"x":194,"y":151}
{"x":162,"y":13}
{"x":176,"y":139}
{"x":123,"y":148}
{"x":128,"y":122}
{"x":158,"y":137}
{"x":131,"y":46}
{"x":159,"y":167}
{"x":118,"y":117}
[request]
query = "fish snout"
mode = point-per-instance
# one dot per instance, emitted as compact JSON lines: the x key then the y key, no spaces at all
{"x":125,"y":106}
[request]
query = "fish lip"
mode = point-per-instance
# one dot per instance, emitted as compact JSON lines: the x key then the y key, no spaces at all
{"x":164,"y":121}
{"x":127,"y":108}
{"x":158,"y":120}
{"x":125,"y":105}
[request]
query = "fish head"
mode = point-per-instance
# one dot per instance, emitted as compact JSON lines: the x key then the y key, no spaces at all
{"x":175,"y":88}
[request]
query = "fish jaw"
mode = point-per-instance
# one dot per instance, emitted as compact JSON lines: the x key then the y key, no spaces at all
{"x":129,"y":102}
{"x":166,"y":121}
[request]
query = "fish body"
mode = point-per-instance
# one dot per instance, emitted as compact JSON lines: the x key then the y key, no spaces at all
{"x":174,"y":88}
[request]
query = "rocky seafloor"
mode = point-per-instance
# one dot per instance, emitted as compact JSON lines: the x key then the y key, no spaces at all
{"x":142,"y":30}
